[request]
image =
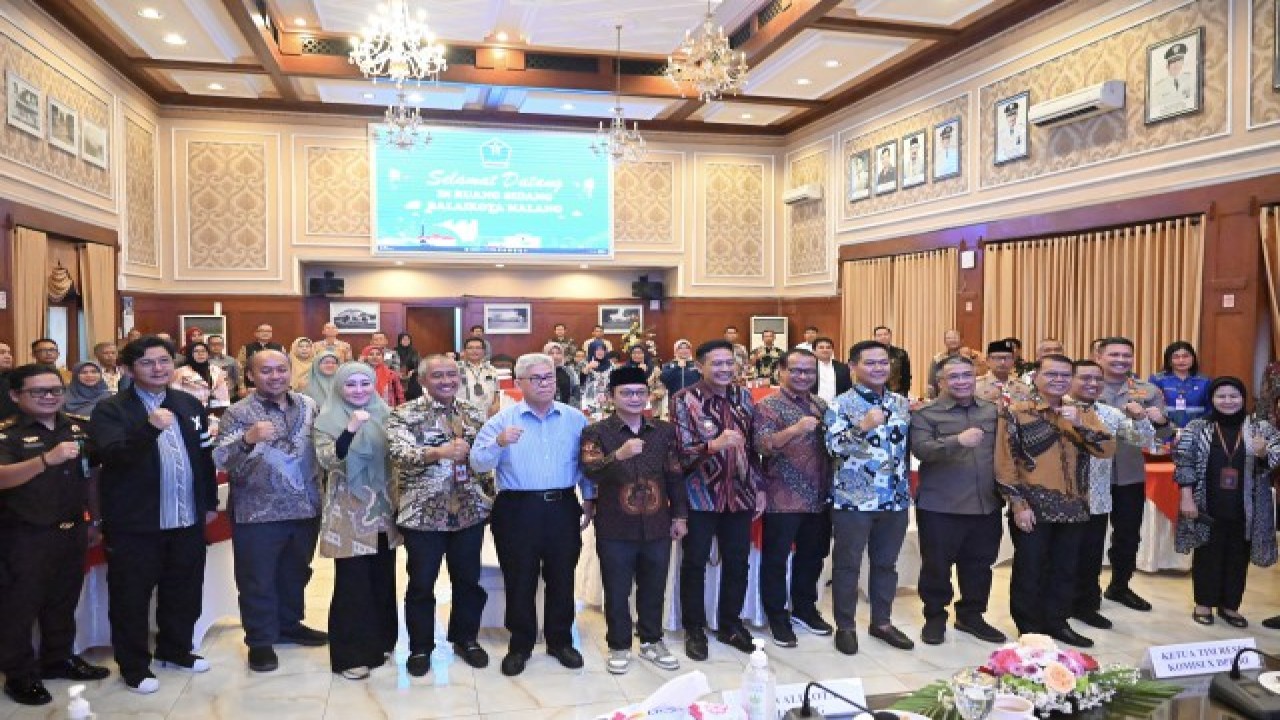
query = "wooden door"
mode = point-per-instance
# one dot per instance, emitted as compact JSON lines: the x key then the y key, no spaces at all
{"x":432,"y":328}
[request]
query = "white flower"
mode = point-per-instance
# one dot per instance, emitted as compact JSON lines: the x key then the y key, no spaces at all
{"x":1036,"y":641}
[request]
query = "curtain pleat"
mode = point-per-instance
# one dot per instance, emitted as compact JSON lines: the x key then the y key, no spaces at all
{"x":30,"y":300}
{"x":98,"y":283}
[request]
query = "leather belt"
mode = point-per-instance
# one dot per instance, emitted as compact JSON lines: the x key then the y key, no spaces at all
{"x":544,"y":495}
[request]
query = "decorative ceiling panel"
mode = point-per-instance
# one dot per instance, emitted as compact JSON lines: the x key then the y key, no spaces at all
{"x":936,"y":12}
{"x":209,"y":33}
{"x":817,"y":62}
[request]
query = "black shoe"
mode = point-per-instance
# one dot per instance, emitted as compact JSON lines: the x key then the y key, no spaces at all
{"x":813,"y":622}
{"x":513,"y":663}
{"x":783,"y":635}
{"x":1272,"y":623}
{"x":419,"y":664}
{"x":567,"y":656}
{"x":1127,"y":598}
{"x":934,"y":631}
{"x":303,"y":635}
{"x":74,"y":668}
{"x":27,"y":692}
{"x":263,"y":659}
{"x":1234,"y":619}
{"x":695,"y":643}
{"x":471,"y":654}
{"x":1093,"y":619}
{"x":980,"y":629}
{"x":1068,"y":636}
{"x":893,"y":636}
{"x":737,"y":638}
{"x":847,"y":641}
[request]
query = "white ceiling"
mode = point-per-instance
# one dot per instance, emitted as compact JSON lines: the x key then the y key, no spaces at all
{"x":210,"y":34}
{"x":808,"y":57}
{"x":934,"y":12}
{"x":744,"y":113}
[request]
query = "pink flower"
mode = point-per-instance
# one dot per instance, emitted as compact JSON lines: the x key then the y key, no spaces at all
{"x":1004,"y":661}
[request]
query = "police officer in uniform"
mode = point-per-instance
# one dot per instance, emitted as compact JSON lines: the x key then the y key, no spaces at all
{"x":44,"y":531}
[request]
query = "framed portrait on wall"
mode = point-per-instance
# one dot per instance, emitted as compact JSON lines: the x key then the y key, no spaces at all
{"x":1175,"y":76}
{"x":915,"y":154}
{"x":859,"y":176}
{"x":26,"y":105}
{"x":354,"y":317}
{"x":208,"y":324}
{"x":886,"y":167}
{"x":946,"y":149}
{"x":93,"y":144}
{"x":508,"y":319}
{"x":1012,"y":142}
{"x":64,"y":127}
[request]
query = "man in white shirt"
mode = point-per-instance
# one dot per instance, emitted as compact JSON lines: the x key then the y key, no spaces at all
{"x":810,"y":334}
{"x":833,"y":375}
{"x":1011,"y":140}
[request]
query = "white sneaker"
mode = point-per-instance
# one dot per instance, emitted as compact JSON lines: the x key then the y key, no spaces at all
{"x":619,"y":661}
{"x":146,"y":686}
{"x":356,"y":673}
{"x":658,"y":654}
{"x":190,"y":663}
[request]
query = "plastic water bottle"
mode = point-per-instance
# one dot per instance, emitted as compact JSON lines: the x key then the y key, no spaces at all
{"x":441,"y":658}
{"x":759,"y":686}
{"x":78,"y":708}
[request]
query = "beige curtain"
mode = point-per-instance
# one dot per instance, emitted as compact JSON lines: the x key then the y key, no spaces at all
{"x":1142,"y":282}
{"x":98,"y":287}
{"x":914,"y":295}
{"x":29,"y":301}
{"x":1271,"y":257}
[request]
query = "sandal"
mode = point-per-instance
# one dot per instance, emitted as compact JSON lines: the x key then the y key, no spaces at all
{"x":1233,"y":618}
{"x":1203,"y":618}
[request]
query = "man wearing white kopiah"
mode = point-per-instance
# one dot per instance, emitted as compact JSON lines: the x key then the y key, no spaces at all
{"x":1011,"y":139}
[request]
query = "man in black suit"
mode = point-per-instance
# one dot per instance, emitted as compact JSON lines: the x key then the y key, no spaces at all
{"x":157,"y":492}
{"x":833,"y":375}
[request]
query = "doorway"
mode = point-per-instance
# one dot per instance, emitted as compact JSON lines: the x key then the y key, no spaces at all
{"x":434,"y":329}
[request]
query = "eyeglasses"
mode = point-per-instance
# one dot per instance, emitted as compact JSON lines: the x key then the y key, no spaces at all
{"x":147,"y":363}
{"x":636,"y":394}
{"x":803,"y":371}
{"x":540,"y":379}
{"x":44,"y":392}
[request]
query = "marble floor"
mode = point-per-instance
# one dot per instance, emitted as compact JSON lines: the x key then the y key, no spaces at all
{"x":304,"y":689}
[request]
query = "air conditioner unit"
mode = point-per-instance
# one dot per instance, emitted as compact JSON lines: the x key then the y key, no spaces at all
{"x":1084,"y":103}
{"x":803,"y":193}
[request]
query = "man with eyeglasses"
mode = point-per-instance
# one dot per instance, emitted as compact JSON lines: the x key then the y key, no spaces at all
{"x":46,"y":352}
{"x":1086,"y":386}
{"x":533,"y":447}
{"x":45,"y":498}
{"x":797,"y":480}
{"x":957,"y":506}
{"x":1039,"y":446}
{"x":1001,"y":384}
{"x":158,"y":492}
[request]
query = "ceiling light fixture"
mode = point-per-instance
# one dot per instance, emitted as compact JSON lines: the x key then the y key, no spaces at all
{"x":499,"y":265}
{"x":175,"y":39}
{"x":617,"y":142}
{"x":216,"y":86}
{"x":300,"y":21}
{"x":745,"y":116}
{"x":502,"y":36}
{"x":832,"y":63}
{"x":567,"y":106}
{"x":402,"y":125}
{"x":367,"y":96}
{"x":150,"y":13}
{"x":398,"y":46}
{"x":803,"y":81}
{"x":707,"y":62}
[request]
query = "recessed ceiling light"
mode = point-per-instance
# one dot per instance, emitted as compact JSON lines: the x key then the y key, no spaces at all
{"x":567,"y":106}
{"x":399,"y":262}
{"x":217,"y":86}
{"x":150,"y":13}
{"x":300,"y":21}
{"x":415,"y":97}
{"x":499,"y":265}
{"x":502,"y":36}
{"x":832,"y":63}
{"x":582,"y":266}
{"x":367,"y":96}
{"x":175,"y":39}
{"x":745,"y":116}
{"x":803,"y":81}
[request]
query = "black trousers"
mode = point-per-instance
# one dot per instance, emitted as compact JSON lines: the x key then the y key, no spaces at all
{"x":624,"y":564}
{"x":970,"y":544}
{"x":537,"y":536}
{"x":426,"y":550}
{"x":1219,"y":568}
{"x":1127,"y":505}
{"x":363,"y":625}
{"x":168,"y":564}
{"x":810,"y":533}
{"x":732,"y":532}
{"x":41,"y":572}
{"x":273,"y":567}
{"x":1093,"y":542}
{"x":1043,"y":583}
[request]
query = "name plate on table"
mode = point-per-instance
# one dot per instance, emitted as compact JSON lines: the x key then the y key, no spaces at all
{"x":1203,"y":658}
{"x":792,"y":696}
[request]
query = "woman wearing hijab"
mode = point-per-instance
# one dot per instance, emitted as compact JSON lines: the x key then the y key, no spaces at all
{"x":1227,"y":515}
{"x":206,"y":381}
{"x":320,"y":380}
{"x":301,"y":355}
{"x":358,"y":527}
{"x":409,"y":359}
{"x":85,"y":390}
{"x":389,"y":387}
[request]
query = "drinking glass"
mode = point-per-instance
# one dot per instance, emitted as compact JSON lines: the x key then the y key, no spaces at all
{"x":975,"y":693}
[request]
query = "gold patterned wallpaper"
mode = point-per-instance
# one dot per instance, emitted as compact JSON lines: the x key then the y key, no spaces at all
{"x":734,"y":220}
{"x":931,"y":189}
{"x":337,"y":191}
{"x":1264,"y":98}
{"x":808,"y":246}
{"x":1122,"y":56}
{"x":91,"y":104}
{"x":227,"y":205}
{"x":140,"y":194}
{"x":644,"y":203}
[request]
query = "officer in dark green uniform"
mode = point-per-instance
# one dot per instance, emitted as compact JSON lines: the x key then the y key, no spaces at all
{"x":45,"y":524}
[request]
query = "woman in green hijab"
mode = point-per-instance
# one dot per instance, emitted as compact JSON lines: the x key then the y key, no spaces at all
{"x":358,"y":529}
{"x":320,"y":376}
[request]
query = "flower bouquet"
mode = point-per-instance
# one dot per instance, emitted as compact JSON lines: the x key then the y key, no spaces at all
{"x":1054,"y":680}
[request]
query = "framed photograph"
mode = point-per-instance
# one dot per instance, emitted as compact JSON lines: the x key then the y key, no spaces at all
{"x":354,"y":317}
{"x":860,"y":175}
{"x":946,"y":149}
{"x":886,"y":167}
{"x":1012,"y":142}
{"x":26,"y":105}
{"x":915,"y":158}
{"x":508,"y":319}
{"x":208,"y":324}
{"x":93,"y":144}
{"x":64,"y":127}
{"x":617,"y":319}
{"x":1175,"y":76}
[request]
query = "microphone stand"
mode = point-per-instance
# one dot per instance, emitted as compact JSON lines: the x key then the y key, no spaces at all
{"x":806,"y":709}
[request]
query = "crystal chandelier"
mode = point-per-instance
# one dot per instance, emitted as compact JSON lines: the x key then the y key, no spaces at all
{"x":617,"y":142}
{"x":402,"y":125}
{"x":398,"y":46}
{"x":706,"y":62}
